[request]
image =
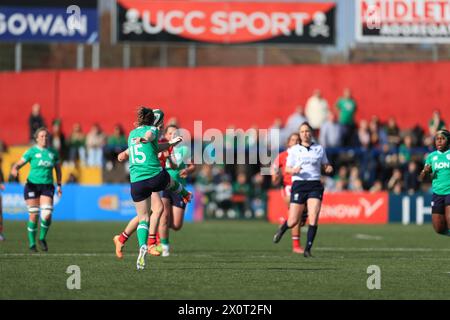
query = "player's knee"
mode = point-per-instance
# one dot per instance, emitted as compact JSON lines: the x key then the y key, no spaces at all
{"x":177,"y":226}
{"x":33,"y":211}
{"x":46,"y":211}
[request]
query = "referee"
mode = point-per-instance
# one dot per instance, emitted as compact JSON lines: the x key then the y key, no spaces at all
{"x":305,"y":162}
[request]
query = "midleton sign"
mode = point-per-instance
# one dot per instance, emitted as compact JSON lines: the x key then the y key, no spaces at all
{"x":225,"y":22}
{"x":403,"y":21}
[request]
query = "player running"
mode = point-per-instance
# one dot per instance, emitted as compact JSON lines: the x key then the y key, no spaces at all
{"x":305,"y":162}
{"x":157,"y":205}
{"x":39,"y":189}
{"x":279,"y":174}
{"x":179,"y":167}
{"x":437,"y":164}
{"x":146,"y":174}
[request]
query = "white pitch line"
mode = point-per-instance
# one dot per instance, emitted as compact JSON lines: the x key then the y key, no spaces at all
{"x":216,"y":254}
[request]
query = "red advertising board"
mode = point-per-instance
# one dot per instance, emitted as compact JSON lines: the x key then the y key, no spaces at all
{"x":341,"y":207}
{"x":226,"y":21}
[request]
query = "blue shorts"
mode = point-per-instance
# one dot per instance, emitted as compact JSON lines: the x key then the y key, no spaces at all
{"x":438,"y":203}
{"x":34,"y":191}
{"x":143,"y":189}
{"x":175,"y":199}
{"x":304,"y":190}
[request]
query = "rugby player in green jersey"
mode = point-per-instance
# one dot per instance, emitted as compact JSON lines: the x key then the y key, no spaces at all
{"x":146,"y":174}
{"x":437,"y":164}
{"x":39,"y":189}
{"x":179,"y":167}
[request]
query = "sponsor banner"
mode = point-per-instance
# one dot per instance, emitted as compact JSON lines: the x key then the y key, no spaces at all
{"x":341,"y":207}
{"x":403,"y":21}
{"x":410,"y":208}
{"x":226,"y":22}
{"x":106,"y":202}
{"x":49,"y":21}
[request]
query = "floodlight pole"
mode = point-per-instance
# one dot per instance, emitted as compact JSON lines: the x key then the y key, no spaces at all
{"x":18,"y":56}
{"x":80,"y":56}
{"x":126,"y":55}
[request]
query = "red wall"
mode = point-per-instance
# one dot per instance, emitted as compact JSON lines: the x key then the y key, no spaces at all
{"x":220,"y":96}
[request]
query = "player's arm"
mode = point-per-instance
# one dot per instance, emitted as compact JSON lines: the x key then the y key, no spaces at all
{"x":166,"y":145}
{"x":275,"y":172}
{"x":124,"y":155}
{"x":190,"y":168}
{"x":327,"y":168}
{"x":58,"y":178}
{"x":16,"y":167}
{"x":425,"y":172}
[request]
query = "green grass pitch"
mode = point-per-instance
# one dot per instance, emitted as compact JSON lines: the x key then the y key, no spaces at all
{"x":229,"y":260}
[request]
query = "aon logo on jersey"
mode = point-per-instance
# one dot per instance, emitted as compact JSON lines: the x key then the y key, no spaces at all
{"x":44,"y":163}
{"x":442,"y":165}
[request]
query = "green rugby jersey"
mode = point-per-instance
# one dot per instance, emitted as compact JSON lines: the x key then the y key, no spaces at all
{"x":180,"y":155}
{"x":144,"y":163}
{"x":42,"y":161}
{"x":440,"y":165}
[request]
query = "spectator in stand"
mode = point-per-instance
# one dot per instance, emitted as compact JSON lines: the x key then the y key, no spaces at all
{"x":58,"y":139}
{"x":364,"y":134}
{"x":378,"y":136}
{"x":275,"y":135}
{"x":405,"y":150}
{"x":411,"y":178}
{"x":395,"y":181}
{"x":293,"y":123}
{"x":77,"y":142}
{"x":205,"y":185}
{"x":35,"y":120}
{"x":393,"y":133}
{"x":241,"y":194}
{"x":354,"y":182}
{"x":331,"y":132}
{"x":341,"y":179}
{"x":95,"y":140}
{"x":316,"y":110}
{"x":223,"y":194}
{"x":346,"y":107}
{"x":258,"y":196}
{"x":436,"y":123}
{"x":330,"y":137}
{"x":115,"y":144}
{"x":377,"y":186}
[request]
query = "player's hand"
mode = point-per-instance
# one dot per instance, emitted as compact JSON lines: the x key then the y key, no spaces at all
{"x":296,"y":170}
{"x":328,"y":169}
{"x":427,"y":168}
{"x":14,"y":172}
{"x":122,"y":156}
{"x":2,"y":186}
{"x":175,"y":141}
{"x":183,"y":173}
{"x":59,"y":191}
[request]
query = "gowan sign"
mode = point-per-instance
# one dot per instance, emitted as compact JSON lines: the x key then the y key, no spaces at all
{"x":226,"y":22}
{"x":403,"y":21}
{"x":50,"y":20}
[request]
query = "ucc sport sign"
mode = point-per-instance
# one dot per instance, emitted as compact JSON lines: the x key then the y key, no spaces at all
{"x":225,"y":22}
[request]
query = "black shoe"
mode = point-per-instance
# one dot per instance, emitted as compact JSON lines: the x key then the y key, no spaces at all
{"x":43,"y":245}
{"x":307,"y":254}
{"x":33,"y":249}
{"x":277,"y":236}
